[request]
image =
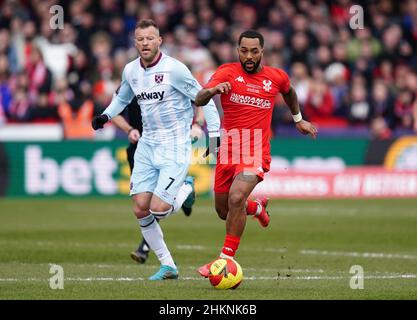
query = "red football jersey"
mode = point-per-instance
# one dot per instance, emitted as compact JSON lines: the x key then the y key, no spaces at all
{"x":248,"y":109}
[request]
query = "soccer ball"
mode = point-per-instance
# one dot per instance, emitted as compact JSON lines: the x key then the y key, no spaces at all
{"x":225,"y":274}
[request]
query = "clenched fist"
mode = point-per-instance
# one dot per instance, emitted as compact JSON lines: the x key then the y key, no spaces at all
{"x":99,"y":121}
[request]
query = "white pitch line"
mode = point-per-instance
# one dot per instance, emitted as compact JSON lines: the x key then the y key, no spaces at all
{"x":190,"y":247}
{"x":360,"y":254}
{"x":128,"y":279}
{"x":155,"y":266}
{"x":97,"y":245}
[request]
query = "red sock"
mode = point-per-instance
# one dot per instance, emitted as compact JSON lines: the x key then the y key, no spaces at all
{"x":231,"y":243}
{"x":251,"y":207}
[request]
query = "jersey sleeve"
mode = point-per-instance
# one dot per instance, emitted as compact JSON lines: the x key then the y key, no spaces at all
{"x":184,"y":81}
{"x":221,"y":75}
{"x":121,"y":98}
{"x":283,"y":81}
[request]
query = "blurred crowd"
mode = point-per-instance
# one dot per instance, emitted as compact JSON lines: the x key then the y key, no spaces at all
{"x":344,"y":77}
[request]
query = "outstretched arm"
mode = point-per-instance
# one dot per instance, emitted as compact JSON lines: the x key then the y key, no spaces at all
{"x":302,"y":126}
{"x":204,"y":95}
{"x":121,"y":99}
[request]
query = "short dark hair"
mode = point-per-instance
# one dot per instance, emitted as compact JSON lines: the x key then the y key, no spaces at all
{"x":145,"y":23}
{"x":252,"y":34}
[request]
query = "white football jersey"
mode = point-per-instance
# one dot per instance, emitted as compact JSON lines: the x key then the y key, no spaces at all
{"x":164,"y":91}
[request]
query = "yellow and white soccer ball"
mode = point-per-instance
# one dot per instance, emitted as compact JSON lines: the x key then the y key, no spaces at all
{"x":225,"y":274}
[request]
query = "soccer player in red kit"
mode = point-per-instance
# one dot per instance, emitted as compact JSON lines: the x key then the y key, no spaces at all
{"x":248,"y":90}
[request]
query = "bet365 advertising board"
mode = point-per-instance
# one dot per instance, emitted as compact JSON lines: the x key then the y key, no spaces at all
{"x":300,"y":168}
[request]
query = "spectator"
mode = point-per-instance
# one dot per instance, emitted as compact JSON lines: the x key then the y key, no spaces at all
{"x":39,"y":76}
{"x":323,"y":56}
{"x":382,"y":104}
{"x":57,"y":55}
{"x":220,"y":31}
{"x":79,"y":71}
{"x":300,"y":81}
{"x":340,"y":12}
{"x":300,"y":49}
{"x":385,"y":72}
{"x":339,"y":53}
{"x":336,"y":76}
{"x":85,"y":31}
{"x":19,"y":106}
{"x":379,"y":129}
{"x":76,"y":119}
{"x":118,"y":33}
{"x":9,"y":50}
{"x":319,"y":105}
{"x":5,"y":91}
{"x":204,"y":29}
{"x":359,"y":108}
{"x":131,"y":10}
{"x":363,"y":38}
{"x":391,"y":40}
{"x":404,"y":109}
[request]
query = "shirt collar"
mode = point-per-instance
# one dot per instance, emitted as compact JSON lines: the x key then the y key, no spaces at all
{"x":152,"y":64}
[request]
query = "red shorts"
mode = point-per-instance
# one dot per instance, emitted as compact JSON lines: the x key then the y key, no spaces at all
{"x":226,"y":173}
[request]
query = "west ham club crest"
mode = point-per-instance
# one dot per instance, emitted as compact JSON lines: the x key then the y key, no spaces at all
{"x":159,"y":78}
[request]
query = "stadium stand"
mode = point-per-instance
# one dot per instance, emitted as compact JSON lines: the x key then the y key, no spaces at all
{"x":350,"y":82}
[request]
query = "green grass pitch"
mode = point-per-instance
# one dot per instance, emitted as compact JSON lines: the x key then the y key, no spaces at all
{"x":305,"y":253}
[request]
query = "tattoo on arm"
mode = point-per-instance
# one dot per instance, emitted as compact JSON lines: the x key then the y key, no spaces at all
{"x":203,"y":97}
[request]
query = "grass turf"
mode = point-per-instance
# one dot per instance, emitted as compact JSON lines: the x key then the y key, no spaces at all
{"x":305,"y":253}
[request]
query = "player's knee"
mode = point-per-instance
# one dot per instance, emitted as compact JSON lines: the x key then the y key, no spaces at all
{"x":236,"y":199}
{"x":221,"y":212}
{"x":140,"y":211}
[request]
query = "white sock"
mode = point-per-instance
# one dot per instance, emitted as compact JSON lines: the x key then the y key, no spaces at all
{"x":225,"y":256}
{"x":258,"y":209}
{"x":182,"y":195}
{"x":153,"y":235}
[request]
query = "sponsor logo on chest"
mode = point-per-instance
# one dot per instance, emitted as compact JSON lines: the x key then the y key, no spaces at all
{"x":250,"y":101}
{"x":159,"y":95}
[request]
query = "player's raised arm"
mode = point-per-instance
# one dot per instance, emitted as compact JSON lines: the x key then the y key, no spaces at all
{"x":121,"y":99}
{"x":303,"y":126}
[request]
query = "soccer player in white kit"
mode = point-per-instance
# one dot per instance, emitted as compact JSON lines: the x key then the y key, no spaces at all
{"x":164,"y":88}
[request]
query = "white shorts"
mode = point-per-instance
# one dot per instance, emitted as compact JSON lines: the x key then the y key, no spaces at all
{"x":160,"y":169}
